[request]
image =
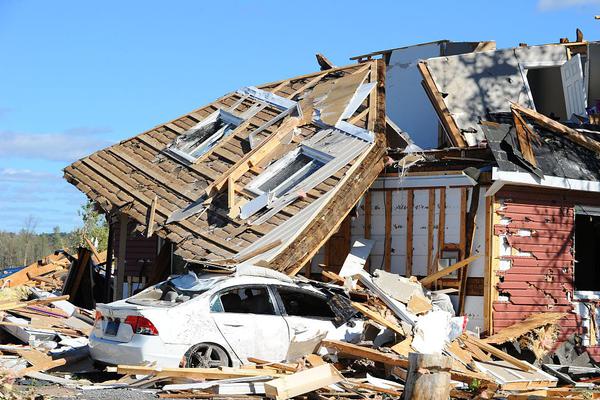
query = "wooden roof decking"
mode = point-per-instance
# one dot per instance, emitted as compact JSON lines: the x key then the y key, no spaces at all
{"x":127,"y":176}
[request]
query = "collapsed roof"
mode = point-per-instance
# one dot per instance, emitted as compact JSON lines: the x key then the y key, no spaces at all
{"x":261,"y":175}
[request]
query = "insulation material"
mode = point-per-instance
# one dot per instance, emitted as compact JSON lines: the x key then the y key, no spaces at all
{"x":476,"y":268}
{"x":452,"y":231}
{"x":398,"y":230}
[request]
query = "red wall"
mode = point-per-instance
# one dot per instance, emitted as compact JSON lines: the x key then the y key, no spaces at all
{"x":140,"y":252}
{"x":542,"y":282}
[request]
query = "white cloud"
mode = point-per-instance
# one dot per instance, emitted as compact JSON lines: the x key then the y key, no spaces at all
{"x":65,"y":146}
{"x":552,"y":5}
{"x":24,"y":175}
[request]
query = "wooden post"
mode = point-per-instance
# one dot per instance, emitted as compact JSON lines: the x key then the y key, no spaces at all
{"x":409,"y":231}
{"x":109,"y":259}
{"x":123,"y":222}
{"x":428,"y":377}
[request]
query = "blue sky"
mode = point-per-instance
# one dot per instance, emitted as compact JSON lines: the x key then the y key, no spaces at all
{"x":77,"y":76}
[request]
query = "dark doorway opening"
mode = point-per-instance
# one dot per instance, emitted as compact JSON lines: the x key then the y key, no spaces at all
{"x":587,"y":252}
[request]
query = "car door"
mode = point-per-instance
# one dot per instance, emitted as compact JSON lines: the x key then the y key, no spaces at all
{"x":307,"y":313}
{"x":249,"y":320}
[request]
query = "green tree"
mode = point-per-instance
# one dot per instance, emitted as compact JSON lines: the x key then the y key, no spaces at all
{"x":95,"y":228}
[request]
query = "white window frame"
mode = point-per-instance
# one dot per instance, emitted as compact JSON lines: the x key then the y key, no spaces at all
{"x":279,"y":165}
{"x":209,"y":142}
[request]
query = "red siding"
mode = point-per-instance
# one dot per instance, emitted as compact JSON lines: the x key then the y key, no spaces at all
{"x":542,"y":282}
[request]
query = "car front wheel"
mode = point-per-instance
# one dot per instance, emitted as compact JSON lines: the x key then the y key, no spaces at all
{"x":205,"y":355}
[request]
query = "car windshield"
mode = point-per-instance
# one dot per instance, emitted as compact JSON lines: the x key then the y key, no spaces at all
{"x":176,"y":290}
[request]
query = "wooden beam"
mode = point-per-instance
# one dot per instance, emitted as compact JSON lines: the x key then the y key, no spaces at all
{"x":498,"y":353}
{"x":356,"y":351}
{"x":464,"y":222}
{"x":255,"y":156}
{"x":109,"y":258}
{"x":524,"y":138}
{"x":448,"y":270}
{"x":387,"y":255}
{"x":470,"y":239}
{"x":367,"y":230}
{"x":118,"y":286}
{"x":378,"y":318}
{"x":410,"y":203}
{"x":430,"y":229}
{"x":324,"y":62}
{"x":440,"y":107}
{"x":195,"y":373}
{"x":487,"y":269}
{"x":151,"y":216}
{"x":441,"y":226}
{"x":556,"y":126}
{"x":302,"y":382}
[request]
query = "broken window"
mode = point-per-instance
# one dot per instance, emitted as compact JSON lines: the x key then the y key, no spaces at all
{"x":448,"y":258}
{"x":203,"y":136}
{"x":289,"y":171}
{"x":304,"y":304}
{"x":587,"y":252}
{"x":244,"y":300}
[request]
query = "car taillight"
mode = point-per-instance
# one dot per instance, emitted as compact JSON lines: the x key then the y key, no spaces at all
{"x":98,"y":317}
{"x":141,"y":325}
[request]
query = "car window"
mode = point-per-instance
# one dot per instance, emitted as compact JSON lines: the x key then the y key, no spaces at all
{"x":304,"y":304}
{"x":244,"y":300}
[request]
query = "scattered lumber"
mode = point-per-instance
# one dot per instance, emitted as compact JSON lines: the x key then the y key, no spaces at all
{"x":302,"y":382}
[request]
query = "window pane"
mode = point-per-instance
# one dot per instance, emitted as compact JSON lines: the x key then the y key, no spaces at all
{"x":302,"y":162}
{"x":303,"y":304}
{"x":248,"y":300}
{"x":193,"y":138}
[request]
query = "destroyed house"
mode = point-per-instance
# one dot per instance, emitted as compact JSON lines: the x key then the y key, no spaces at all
{"x":438,"y":153}
{"x":515,"y":129}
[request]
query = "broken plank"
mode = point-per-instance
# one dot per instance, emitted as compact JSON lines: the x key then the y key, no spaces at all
{"x":378,"y":318}
{"x":194,"y":373}
{"x":556,"y":126}
{"x":448,"y":270}
{"x":302,"y":382}
{"x":356,"y":351}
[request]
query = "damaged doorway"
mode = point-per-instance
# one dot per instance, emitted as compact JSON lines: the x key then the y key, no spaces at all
{"x":587,"y":270}
{"x":556,"y":88}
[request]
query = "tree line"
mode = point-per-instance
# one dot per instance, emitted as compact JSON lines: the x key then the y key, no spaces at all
{"x":27,"y":246}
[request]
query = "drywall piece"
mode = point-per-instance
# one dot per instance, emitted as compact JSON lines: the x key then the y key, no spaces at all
{"x":356,"y":260}
{"x":431,"y":332}
{"x":302,"y":382}
{"x":397,"y":307}
{"x":206,"y":385}
{"x":300,"y":347}
{"x":396,"y":286}
{"x":478,"y":83}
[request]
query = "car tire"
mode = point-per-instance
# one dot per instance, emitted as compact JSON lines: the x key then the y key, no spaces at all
{"x":206,"y":355}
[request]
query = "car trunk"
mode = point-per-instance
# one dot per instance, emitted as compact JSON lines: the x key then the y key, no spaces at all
{"x":112,"y":325}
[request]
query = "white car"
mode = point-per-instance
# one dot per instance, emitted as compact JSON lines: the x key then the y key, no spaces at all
{"x":217,"y":320}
